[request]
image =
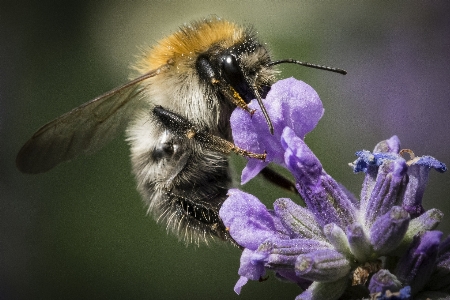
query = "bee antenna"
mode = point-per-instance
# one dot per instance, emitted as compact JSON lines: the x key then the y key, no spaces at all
{"x":306,"y":64}
{"x":263,"y":108}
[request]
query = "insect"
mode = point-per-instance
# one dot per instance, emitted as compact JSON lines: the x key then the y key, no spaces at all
{"x":176,"y":114}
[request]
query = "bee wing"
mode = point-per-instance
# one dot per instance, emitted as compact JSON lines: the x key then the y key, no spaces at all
{"x":84,"y":129}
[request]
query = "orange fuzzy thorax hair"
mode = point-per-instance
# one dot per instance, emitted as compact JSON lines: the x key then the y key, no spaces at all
{"x":189,"y":41}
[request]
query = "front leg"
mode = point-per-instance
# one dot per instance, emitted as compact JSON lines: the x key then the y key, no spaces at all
{"x":182,"y":127}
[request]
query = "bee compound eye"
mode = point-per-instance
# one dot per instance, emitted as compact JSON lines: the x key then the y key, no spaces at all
{"x":233,"y":74}
{"x":230,"y":67}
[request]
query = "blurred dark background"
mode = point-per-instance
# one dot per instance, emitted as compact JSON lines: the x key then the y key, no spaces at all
{"x":81,"y":232}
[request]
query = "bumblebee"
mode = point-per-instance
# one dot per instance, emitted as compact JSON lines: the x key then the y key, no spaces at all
{"x":176,"y":115}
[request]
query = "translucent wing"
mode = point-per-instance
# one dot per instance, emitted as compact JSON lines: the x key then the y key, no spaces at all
{"x":84,"y":129}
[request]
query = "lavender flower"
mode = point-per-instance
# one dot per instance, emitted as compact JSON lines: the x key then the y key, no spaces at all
{"x":382,"y":245}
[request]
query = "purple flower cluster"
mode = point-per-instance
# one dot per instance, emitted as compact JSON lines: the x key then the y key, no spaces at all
{"x":383,"y":244}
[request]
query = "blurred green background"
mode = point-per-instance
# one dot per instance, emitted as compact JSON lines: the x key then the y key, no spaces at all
{"x":81,"y":232}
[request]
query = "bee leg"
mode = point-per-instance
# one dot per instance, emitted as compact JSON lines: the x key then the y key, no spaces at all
{"x":232,"y":95}
{"x":182,"y":127}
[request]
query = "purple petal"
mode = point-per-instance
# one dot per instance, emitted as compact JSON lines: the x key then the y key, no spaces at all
{"x":239,"y":284}
{"x":247,"y":218}
{"x":290,"y":103}
{"x":431,"y":162}
{"x":250,"y":268}
{"x":247,"y":131}
{"x":321,"y":193}
{"x":297,"y":105}
{"x":253,"y":167}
